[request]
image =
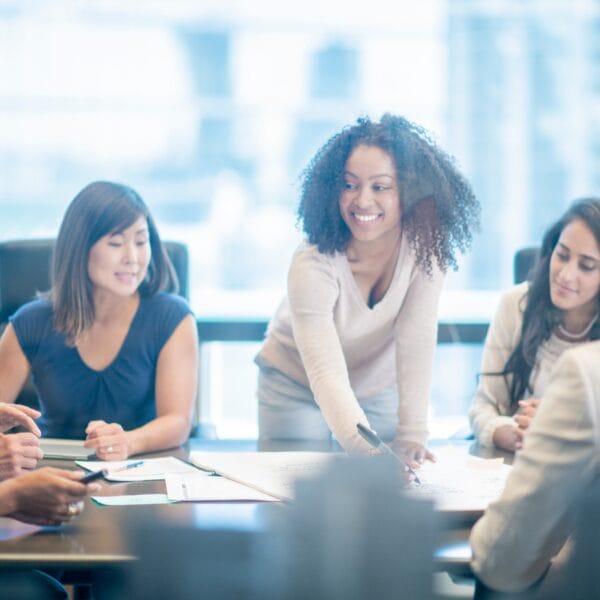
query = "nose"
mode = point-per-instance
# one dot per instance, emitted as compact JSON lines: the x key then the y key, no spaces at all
{"x":130,"y":254}
{"x":568,"y":272}
{"x":364,"y":197}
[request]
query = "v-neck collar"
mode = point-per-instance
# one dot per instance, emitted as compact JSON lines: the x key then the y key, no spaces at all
{"x":354,"y":286}
{"x":119,"y":351}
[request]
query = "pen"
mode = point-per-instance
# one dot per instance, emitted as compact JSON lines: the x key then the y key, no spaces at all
{"x":373,"y":439}
{"x":93,"y":476}
{"x":137,"y":463}
{"x":103,"y":472}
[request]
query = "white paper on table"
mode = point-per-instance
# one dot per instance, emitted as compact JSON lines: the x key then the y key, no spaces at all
{"x":199,"y":487}
{"x":461,"y":482}
{"x":273,"y":473}
{"x":132,"y":499}
{"x":153,"y":469}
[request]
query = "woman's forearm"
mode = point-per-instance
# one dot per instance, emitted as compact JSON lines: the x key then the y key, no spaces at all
{"x":166,"y":431}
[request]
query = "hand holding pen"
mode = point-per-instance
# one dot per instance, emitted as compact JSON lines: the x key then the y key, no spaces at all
{"x":373,"y":439}
{"x":413,"y":453}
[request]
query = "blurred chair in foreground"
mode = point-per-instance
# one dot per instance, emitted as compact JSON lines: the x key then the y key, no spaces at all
{"x":352,"y":533}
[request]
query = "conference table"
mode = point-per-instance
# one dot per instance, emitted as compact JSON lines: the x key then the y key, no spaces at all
{"x":95,"y":539}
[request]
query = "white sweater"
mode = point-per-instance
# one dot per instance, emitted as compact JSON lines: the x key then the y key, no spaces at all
{"x":491,"y":405}
{"x":520,"y":533}
{"x":325,"y":336}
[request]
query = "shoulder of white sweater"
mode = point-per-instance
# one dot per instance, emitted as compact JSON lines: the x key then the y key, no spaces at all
{"x":307,"y":253}
{"x":513,"y":300}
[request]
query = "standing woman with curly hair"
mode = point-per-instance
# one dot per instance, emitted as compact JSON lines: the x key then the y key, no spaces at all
{"x":535,"y":323}
{"x":384,"y":211}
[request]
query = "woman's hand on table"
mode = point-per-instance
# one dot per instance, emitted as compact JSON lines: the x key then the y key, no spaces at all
{"x":109,"y":440}
{"x":509,"y":437}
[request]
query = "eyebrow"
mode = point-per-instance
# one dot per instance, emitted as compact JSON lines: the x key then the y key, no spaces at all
{"x":121,"y":231}
{"x":372,"y":176}
{"x":595,"y":259}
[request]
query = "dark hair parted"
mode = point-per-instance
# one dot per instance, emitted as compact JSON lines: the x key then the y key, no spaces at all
{"x":439,"y":209}
{"x":540,"y":316}
{"x":99,"y":209}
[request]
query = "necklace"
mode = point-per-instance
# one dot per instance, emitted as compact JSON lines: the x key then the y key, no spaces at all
{"x":581,"y":334}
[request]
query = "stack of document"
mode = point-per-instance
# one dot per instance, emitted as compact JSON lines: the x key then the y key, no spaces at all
{"x":272,"y":473}
{"x":460,"y":482}
{"x":457,"y":482}
{"x":184,"y":482}
{"x":206,"y":487}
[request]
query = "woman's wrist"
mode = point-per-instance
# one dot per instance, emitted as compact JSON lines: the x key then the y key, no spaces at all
{"x":132,"y":443}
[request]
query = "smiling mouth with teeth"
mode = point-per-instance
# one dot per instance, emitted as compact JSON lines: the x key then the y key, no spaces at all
{"x":365,"y":218}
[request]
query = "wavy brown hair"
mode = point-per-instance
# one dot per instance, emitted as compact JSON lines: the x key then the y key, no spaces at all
{"x":100,"y":209}
{"x":540,"y":316}
{"x":439,"y":208}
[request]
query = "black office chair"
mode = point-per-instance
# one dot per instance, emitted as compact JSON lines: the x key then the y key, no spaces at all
{"x":25,"y":272}
{"x":523,"y":263}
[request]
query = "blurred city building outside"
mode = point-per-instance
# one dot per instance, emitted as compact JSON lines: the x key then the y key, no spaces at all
{"x":211,"y":110}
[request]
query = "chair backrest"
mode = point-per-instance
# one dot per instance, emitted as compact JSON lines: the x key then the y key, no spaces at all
{"x":178,"y":253}
{"x":524,"y":261}
{"x":25,"y":271}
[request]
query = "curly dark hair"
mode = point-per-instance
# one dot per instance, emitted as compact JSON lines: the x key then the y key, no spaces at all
{"x":439,"y":208}
{"x":540,"y":316}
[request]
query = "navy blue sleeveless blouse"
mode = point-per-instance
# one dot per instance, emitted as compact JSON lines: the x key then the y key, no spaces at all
{"x":71,"y":393}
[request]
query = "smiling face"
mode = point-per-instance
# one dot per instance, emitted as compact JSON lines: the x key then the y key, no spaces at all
{"x":370,"y":201}
{"x":575,"y":270}
{"x":118,"y":262}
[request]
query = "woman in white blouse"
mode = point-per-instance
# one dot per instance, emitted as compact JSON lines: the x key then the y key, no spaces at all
{"x":535,"y":323}
{"x":384,"y":211}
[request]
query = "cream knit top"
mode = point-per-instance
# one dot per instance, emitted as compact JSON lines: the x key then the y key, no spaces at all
{"x":491,"y":405}
{"x":325,"y":336}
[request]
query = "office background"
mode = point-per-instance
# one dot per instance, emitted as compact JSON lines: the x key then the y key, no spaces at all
{"x":211,"y":108}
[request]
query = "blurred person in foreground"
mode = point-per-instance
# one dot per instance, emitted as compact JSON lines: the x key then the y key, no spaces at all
{"x":520,"y":534}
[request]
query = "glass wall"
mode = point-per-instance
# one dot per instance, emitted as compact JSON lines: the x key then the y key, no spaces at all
{"x":211,"y":110}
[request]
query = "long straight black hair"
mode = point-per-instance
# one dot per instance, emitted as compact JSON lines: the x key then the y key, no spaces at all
{"x":541,"y":316}
{"x":99,"y":209}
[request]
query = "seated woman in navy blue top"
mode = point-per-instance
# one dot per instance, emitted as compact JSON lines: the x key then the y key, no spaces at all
{"x":114,"y":354}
